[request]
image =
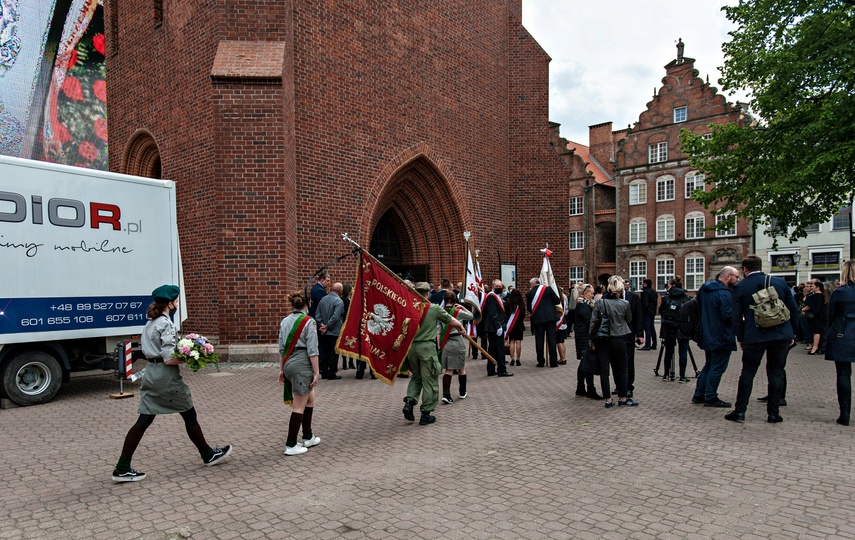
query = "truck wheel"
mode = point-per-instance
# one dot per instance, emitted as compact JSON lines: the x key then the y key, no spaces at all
{"x":31,"y":378}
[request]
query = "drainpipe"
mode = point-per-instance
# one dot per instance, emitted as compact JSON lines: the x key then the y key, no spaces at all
{"x":589,"y":247}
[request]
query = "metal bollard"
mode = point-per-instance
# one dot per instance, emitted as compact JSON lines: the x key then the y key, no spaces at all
{"x":124,"y":368}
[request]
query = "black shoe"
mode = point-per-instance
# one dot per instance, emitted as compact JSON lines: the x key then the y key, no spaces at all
{"x":580,"y":393}
{"x":593,"y":395}
{"x":541,"y":365}
{"x":402,"y":376}
{"x":133,"y":476}
{"x":697,"y":400}
{"x":333,"y":377}
{"x":643,"y":348}
{"x":553,"y":365}
{"x":734,"y":416}
{"x":219,"y":454}
{"x":491,"y":374}
{"x":427,"y":418}
{"x":408,"y":410}
{"x":774,"y":418}
{"x":843,"y":421}
{"x":653,"y":348}
{"x":360,"y":374}
{"x":717,"y":403}
{"x":505,"y":374}
{"x":782,"y":403}
{"x":764,"y":398}
{"x":627,"y":403}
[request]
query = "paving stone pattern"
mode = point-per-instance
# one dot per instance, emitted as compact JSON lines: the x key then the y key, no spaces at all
{"x":522,"y":458}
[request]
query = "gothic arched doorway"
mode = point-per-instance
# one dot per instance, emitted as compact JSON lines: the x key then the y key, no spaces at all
{"x":416,"y":224}
{"x":142,"y":157}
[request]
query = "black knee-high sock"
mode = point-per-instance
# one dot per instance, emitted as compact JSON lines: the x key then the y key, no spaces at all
{"x":293,"y":428}
{"x":446,"y":385}
{"x":307,"y":422}
{"x":462,"y":380}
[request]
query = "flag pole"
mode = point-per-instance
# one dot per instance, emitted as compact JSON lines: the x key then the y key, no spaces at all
{"x":383,"y":266}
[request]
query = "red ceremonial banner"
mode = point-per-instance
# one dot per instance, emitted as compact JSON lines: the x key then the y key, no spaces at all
{"x":382,"y":319}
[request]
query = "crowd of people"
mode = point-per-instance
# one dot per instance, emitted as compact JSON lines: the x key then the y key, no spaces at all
{"x":740,"y":309}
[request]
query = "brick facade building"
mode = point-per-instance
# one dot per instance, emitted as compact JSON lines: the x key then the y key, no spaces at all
{"x":286,"y":123}
{"x":660,"y":230}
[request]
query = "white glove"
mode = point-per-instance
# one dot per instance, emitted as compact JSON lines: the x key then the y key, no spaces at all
{"x":499,"y":332}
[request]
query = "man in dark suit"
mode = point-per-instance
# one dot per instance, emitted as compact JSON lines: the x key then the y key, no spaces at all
{"x":319,"y":290}
{"x":636,"y":336}
{"x":438,"y":296}
{"x":493,"y":317}
{"x":541,"y":301}
{"x":649,"y":305}
{"x":755,"y":341}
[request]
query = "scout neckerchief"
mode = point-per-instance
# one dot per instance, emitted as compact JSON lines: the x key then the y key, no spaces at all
{"x":513,"y":319}
{"x":293,"y":336}
{"x":538,"y":296}
{"x":446,"y":328}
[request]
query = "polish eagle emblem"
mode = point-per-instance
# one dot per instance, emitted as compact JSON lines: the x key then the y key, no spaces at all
{"x":381,"y":320}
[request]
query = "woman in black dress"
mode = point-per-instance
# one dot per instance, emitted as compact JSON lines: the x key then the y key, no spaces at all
{"x":815,"y":313}
{"x":515,"y":304}
{"x":582,"y":321}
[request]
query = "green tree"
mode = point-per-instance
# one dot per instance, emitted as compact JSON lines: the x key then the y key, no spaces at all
{"x":795,"y":162}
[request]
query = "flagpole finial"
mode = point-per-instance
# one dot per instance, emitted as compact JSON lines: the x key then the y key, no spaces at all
{"x":477,"y":251}
{"x":466,"y":235}
{"x":546,"y":251}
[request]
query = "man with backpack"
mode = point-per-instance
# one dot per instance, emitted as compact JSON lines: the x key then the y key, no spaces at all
{"x":673,"y":300}
{"x":764,"y":324}
{"x":715,"y":336}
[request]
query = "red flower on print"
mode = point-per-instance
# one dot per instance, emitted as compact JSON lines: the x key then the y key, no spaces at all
{"x":98,"y":43}
{"x":100,"y":89}
{"x":61,"y":133}
{"x":88,"y":151}
{"x":101,"y":128}
{"x":71,"y":88}
{"x":72,"y":61}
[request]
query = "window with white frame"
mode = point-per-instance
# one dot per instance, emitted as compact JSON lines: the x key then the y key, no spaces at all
{"x":707,"y":136}
{"x":695,"y":225}
{"x":637,"y":273}
{"x":665,"y":229}
{"x":638,"y":231}
{"x":664,"y":272}
{"x":812,"y":228}
{"x":638,"y":192}
{"x":679,"y":114}
{"x":665,"y":189}
{"x":694,"y":182}
{"x":577,"y":206}
{"x":841,"y":220}
{"x":577,"y":273}
{"x":731,"y":228}
{"x":577,"y":240}
{"x":657,"y":152}
{"x":694,"y":272}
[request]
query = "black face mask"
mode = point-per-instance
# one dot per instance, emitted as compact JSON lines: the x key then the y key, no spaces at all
{"x":497,"y":290}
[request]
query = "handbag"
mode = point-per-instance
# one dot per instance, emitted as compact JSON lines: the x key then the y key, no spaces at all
{"x":590,"y":362}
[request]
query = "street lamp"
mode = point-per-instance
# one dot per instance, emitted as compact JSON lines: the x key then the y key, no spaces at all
{"x":797,"y":257}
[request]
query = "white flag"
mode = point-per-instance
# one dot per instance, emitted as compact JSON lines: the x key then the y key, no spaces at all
{"x":471,"y":286}
{"x":548,"y":279}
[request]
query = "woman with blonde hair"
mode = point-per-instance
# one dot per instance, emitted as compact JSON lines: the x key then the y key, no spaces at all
{"x":840,"y":343}
{"x":609,"y":324}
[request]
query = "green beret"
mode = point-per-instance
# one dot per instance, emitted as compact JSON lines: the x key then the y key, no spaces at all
{"x":422,"y":286}
{"x":165,"y":293}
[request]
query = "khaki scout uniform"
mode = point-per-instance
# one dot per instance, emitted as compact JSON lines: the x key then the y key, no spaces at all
{"x":424,"y":362}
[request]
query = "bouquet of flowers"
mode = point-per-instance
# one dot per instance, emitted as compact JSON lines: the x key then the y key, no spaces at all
{"x":196,"y":352}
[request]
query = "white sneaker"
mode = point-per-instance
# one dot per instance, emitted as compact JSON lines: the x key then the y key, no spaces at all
{"x":295,"y":450}
{"x":314,"y":441}
{"x":447,"y":400}
{"x":464,"y":396}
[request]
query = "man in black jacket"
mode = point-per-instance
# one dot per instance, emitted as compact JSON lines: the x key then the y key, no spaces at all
{"x":493,"y":318}
{"x":541,"y":301}
{"x":649,"y":301}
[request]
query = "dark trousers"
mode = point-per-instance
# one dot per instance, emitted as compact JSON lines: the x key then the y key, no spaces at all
{"x":844,"y":387}
{"x":497,"y":351}
{"x":547,"y":331}
{"x":649,"y":332}
{"x":611,"y":351}
{"x":670,"y":343}
{"x":776,"y":360}
{"x":327,"y":357}
{"x":630,"y":362}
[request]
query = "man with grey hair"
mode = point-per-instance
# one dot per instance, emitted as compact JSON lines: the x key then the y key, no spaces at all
{"x":716,"y":338}
{"x":330,"y":317}
{"x":541,"y":301}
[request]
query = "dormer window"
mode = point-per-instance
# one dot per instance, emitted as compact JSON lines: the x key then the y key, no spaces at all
{"x":679,"y":114}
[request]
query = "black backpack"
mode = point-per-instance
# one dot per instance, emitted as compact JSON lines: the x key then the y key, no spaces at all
{"x":689,"y":319}
{"x":671,"y":313}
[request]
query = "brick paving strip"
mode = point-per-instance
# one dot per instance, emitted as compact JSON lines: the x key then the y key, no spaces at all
{"x":521,"y":458}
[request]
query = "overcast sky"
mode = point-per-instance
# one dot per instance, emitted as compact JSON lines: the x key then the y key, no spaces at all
{"x":608,"y":55}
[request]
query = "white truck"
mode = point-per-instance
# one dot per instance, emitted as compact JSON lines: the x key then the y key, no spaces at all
{"x":80,"y":253}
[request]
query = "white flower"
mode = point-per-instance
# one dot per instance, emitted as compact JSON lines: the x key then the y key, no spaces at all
{"x":194,"y":354}
{"x":184,"y":343}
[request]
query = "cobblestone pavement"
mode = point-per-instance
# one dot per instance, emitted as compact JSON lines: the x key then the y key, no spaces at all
{"x":521,"y":458}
